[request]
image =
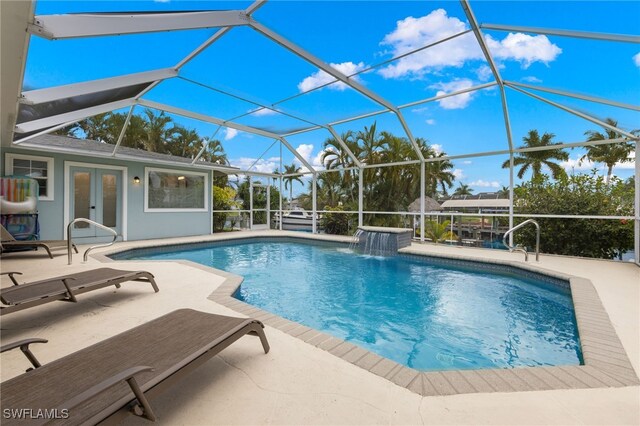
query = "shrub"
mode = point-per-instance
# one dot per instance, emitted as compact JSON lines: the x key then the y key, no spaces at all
{"x":581,"y":194}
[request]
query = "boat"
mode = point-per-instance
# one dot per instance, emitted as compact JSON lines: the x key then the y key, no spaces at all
{"x":296,"y":220}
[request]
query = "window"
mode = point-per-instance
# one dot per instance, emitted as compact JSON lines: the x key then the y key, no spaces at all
{"x":38,"y":168}
{"x":175,"y":191}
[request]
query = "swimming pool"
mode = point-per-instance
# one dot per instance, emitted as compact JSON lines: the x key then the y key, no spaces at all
{"x":424,"y":313}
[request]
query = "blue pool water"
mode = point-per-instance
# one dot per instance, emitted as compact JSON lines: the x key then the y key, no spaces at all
{"x":415,"y":311}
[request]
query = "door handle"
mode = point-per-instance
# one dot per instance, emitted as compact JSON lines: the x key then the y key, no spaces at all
{"x":93,"y":207}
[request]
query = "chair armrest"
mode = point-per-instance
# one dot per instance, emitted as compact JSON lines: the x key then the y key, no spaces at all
{"x":141,"y":408}
{"x":11,"y":276}
{"x":24,"y":347}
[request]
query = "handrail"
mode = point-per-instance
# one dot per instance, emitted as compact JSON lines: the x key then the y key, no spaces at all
{"x":91,"y":222}
{"x":520,"y":248}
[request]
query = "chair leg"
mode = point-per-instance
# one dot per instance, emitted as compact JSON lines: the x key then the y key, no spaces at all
{"x":153,"y":284}
{"x":258,"y":330}
{"x":48,"y":250}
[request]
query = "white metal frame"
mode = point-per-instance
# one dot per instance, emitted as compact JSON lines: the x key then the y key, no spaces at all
{"x":77,"y":25}
{"x":205,"y":177}
{"x":85,"y":25}
{"x":67,"y":191}
{"x":8,"y":168}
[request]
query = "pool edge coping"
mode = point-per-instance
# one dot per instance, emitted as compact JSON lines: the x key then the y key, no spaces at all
{"x":606,"y":363}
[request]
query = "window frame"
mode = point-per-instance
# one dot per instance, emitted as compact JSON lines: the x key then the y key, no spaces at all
{"x":8,"y":167}
{"x":148,"y":209}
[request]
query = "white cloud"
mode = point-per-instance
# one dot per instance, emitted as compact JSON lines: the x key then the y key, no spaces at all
{"x":437,"y":148}
{"x":636,"y":59}
{"x":458,"y":174}
{"x":467,"y":162}
{"x":412,"y":33}
{"x":230,"y":133}
{"x":263,"y":165}
{"x":306,"y":152}
{"x":420,"y":110}
{"x":430,"y":121}
{"x":484,"y":73}
{"x":262,"y":112}
{"x":531,"y":79}
{"x":320,"y":77}
{"x":485,"y":184}
{"x":454,"y":102}
{"x":524,"y":48}
{"x":573,"y":164}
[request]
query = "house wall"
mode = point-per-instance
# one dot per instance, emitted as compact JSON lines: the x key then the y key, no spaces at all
{"x":141,"y":225}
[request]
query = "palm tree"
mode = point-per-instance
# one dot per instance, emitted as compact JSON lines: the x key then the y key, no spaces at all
{"x":371,"y":143}
{"x":157,"y":133}
{"x":96,"y":128}
{"x":288,"y":180}
{"x":463,"y":189}
{"x":609,"y":154}
{"x":184,"y":142}
{"x":214,"y":152}
{"x":335,"y":157}
{"x":536,"y":159}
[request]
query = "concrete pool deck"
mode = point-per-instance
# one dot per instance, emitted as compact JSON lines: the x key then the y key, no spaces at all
{"x":297,"y":383}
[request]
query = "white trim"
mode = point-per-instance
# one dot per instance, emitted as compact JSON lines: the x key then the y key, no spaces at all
{"x":67,"y":189}
{"x":75,"y":25}
{"x":625,"y":38}
{"x":147,"y":209}
{"x":49,"y":94}
{"x":84,"y":153}
{"x":8,"y":168}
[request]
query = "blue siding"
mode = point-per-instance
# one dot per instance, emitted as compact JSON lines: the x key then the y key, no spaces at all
{"x":141,"y":225}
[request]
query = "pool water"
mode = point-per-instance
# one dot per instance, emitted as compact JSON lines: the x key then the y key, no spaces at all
{"x":417,"y":312}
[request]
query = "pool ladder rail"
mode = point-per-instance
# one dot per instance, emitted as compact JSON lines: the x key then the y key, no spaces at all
{"x":519,"y":247}
{"x":86,"y":253}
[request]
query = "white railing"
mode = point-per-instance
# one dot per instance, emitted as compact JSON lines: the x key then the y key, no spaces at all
{"x":86,"y":253}
{"x":520,"y":248}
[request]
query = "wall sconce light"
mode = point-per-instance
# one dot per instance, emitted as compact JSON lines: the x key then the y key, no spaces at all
{"x":136,"y":179}
{"x":180,"y":177}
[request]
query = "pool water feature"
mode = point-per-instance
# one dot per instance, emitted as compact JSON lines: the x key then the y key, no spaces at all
{"x":424,"y":313}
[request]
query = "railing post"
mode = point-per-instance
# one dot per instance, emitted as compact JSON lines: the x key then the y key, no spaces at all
{"x":86,"y":253}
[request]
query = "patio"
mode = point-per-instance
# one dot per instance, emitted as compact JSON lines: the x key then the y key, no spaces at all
{"x":297,"y":383}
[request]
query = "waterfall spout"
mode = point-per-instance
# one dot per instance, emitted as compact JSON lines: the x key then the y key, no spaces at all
{"x":378,"y":241}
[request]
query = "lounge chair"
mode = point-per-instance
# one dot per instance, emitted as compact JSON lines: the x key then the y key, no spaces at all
{"x":8,"y":243}
{"x":118,"y":376}
{"x":66,"y":287}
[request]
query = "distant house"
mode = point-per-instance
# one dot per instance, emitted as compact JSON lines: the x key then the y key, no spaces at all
{"x":481,"y":203}
{"x":139,"y":194}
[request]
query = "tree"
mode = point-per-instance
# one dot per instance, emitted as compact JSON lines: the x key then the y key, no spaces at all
{"x":214,"y":152}
{"x":610,"y":154}
{"x":437,"y":173}
{"x":224,"y":198}
{"x":157,"y":134}
{"x":288,"y":180}
{"x":580,"y":194}
{"x":438,"y":232}
{"x":335,"y":223}
{"x":537,"y":159}
{"x":463,"y":189}
{"x":184,"y":142}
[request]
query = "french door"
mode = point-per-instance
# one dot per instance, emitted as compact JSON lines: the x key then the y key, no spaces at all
{"x":95,"y":194}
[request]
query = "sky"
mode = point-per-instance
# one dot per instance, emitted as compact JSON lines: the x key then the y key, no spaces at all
{"x":352,"y":36}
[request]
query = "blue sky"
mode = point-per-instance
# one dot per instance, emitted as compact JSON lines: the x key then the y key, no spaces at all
{"x":354,"y":35}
